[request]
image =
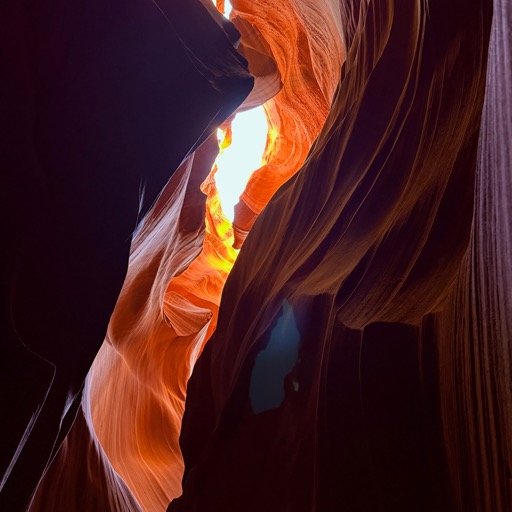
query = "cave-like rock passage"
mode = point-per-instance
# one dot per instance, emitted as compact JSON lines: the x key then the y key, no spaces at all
{"x":358,"y":355}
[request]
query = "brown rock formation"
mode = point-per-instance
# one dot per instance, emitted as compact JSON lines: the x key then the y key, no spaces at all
{"x":352,"y":328}
{"x":360,"y":358}
{"x":98,"y":121}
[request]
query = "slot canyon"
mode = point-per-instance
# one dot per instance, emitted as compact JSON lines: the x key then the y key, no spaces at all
{"x":256,"y":256}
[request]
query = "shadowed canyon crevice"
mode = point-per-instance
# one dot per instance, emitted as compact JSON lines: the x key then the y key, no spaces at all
{"x":343,"y":344}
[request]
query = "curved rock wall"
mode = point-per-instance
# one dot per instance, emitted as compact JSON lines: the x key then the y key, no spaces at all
{"x":389,"y":401}
{"x":168,"y":307}
{"x":360,"y":358}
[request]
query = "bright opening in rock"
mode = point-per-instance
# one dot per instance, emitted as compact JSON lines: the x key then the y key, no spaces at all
{"x":238,"y":161}
{"x":223,"y":6}
{"x":227,"y":9}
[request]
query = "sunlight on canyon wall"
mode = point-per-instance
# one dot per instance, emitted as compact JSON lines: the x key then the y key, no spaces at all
{"x":340,"y":369}
{"x":399,"y":398}
{"x":168,"y":307}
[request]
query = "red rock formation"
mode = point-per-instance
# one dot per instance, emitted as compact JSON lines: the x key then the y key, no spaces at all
{"x":306,"y":39}
{"x":97,"y":123}
{"x":361,"y":356}
{"x":368,"y":248}
{"x":168,"y":307}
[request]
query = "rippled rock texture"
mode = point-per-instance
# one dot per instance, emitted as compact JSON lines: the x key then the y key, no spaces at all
{"x":358,"y":356}
{"x":168,"y":307}
{"x":361,"y":359}
{"x":102,"y":104}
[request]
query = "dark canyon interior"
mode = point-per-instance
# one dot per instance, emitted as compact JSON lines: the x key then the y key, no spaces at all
{"x":342,"y":343}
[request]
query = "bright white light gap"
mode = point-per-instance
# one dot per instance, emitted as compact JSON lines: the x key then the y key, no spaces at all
{"x":244,"y":155}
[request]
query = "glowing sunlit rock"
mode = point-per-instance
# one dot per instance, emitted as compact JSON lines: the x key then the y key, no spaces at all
{"x":139,"y":380}
{"x":348,"y":274}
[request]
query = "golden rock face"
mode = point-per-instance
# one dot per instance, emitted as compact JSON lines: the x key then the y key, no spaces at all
{"x":168,"y":307}
{"x":372,"y":289}
{"x":162,"y":349}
